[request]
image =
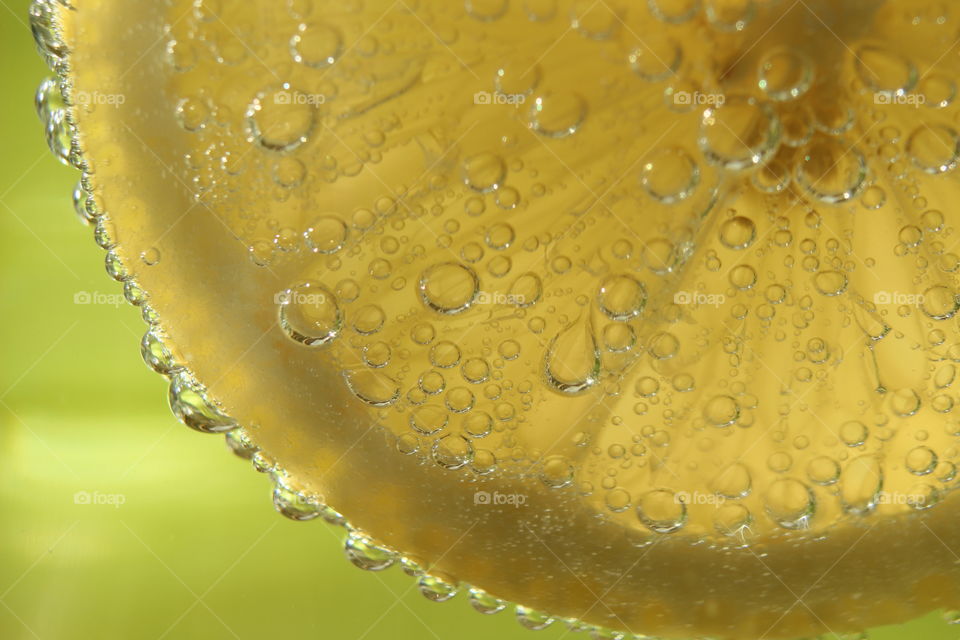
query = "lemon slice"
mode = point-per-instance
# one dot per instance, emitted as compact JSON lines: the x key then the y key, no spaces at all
{"x":641,"y":315}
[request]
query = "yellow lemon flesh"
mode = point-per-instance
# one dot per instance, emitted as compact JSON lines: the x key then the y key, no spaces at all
{"x":641,"y":314}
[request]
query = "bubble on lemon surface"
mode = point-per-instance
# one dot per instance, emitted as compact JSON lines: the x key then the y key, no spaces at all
{"x":484,"y":172}
{"x":670,"y":176}
{"x":739,"y":134}
{"x":326,"y":234}
{"x":662,"y":511}
{"x":738,"y":232}
{"x":709,"y":306}
{"x":656,"y":57}
{"x":831,"y":171}
{"x":449,"y":287}
{"x":310,"y":314}
{"x":790,"y":503}
{"x":557,"y":472}
{"x":281,"y":118}
{"x":316,"y":45}
{"x":934,"y":149}
{"x":674,"y":11}
{"x":557,"y":114}
{"x":622,"y":297}
{"x":572,"y":360}
{"x":785,"y":74}
{"x":884,"y":71}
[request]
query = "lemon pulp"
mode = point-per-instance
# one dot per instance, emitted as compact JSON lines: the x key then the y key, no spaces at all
{"x":640,"y":314}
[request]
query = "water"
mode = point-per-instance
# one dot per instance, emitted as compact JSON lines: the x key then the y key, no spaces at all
{"x":678,"y":291}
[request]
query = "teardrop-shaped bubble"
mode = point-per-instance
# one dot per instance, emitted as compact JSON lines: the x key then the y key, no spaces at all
{"x":870,"y":322}
{"x":572,"y":360}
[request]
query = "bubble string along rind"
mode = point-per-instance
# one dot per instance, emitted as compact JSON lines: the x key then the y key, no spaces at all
{"x":189,"y":399}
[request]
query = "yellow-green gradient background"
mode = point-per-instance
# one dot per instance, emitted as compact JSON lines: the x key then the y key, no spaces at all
{"x":195,"y":550}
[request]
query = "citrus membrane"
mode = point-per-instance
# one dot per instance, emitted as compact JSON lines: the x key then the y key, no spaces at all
{"x":640,"y":315}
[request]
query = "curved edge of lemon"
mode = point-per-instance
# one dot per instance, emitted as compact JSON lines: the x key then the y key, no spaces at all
{"x":189,"y":399}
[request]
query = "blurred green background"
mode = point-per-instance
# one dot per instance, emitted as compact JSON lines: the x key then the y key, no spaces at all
{"x":195,"y":550}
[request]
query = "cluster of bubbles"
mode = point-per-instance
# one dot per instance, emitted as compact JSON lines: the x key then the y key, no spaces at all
{"x":721,"y":295}
{"x":443,"y":299}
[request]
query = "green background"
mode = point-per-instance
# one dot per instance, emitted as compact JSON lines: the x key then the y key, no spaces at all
{"x":195,"y":550}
